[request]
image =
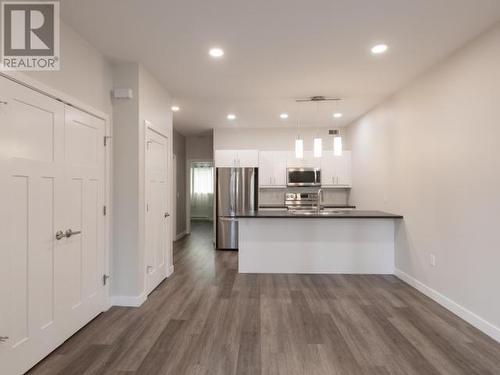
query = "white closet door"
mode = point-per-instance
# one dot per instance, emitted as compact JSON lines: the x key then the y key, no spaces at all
{"x":51,"y":179}
{"x":82,"y":264}
{"x":158,"y":234}
{"x":32,"y":182}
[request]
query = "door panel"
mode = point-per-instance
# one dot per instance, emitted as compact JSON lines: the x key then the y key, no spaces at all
{"x":84,"y":136}
{"x":280,"y":169}
{"x":158,"y":234}
{"x":226,"y":191}
{"x":248,"y":158}
{"x":31,"y":182}
{"x":51,"y":179}
{"x":266,"y":169}
{"x":328,"y":177}
{"x":227,"y":233}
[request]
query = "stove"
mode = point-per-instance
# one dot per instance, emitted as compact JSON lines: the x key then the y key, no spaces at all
{"x":301,"y":201}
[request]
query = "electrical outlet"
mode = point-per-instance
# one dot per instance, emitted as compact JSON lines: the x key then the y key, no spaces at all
{"x":432,"y":259}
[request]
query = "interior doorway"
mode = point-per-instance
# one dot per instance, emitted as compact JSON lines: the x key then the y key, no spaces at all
{"x":201,"y":191}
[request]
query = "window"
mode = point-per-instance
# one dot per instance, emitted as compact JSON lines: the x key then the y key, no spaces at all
{"x":202,"y":179}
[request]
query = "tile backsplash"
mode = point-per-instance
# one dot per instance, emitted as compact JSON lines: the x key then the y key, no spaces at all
{"x":277,"y":196}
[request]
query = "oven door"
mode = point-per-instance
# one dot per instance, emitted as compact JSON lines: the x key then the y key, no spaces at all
{"x":303,"y":177}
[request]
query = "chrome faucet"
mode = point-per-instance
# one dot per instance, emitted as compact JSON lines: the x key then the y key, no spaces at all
{"x":318,"y":202}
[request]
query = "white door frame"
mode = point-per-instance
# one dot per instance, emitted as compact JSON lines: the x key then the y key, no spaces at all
{"x":174,"y":199}
{"x":188,"y":189}
{"x":25,"y":80}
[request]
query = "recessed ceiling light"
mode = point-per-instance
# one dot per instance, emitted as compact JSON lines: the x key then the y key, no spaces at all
{"x":216,"y":52}
{"x":337,"y":115}
{"x":379,"y":48}
{"x":175,"y":108}
{"x":231,"y":116}
{"x":284,"y":116}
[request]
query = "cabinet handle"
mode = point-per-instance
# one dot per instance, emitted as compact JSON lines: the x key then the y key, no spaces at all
{"x":4,"y":338}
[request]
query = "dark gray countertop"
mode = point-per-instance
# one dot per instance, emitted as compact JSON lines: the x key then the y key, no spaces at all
{"x":323,"y":205}
{"x":349,"y":214}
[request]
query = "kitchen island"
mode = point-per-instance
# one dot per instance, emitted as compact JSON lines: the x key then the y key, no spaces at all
{"x":346,"y":242}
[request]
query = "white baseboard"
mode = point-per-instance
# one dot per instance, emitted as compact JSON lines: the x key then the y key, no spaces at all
{"x":170,"y":270}
{"x":180,"y":235}
{"x":128,"y":301}
{"x":467,"y":315}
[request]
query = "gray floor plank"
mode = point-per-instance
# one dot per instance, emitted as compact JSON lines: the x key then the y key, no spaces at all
{"x":209,"y":320}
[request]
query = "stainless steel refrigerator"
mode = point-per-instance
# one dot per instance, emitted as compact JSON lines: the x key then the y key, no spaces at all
{"x":236,"y":193}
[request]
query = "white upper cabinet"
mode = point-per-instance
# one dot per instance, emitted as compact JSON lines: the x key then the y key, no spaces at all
{"x":248,"y":158}
{"x":272,"y":169}
{"x":236,"y":158}
{"x":308,"y":161}
{"x":336,"y":170}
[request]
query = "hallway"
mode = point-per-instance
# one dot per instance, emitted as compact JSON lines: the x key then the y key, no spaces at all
{"x":208,"y":319}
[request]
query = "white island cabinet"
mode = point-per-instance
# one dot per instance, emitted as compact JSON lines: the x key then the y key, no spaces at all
{"x":349,"y":242}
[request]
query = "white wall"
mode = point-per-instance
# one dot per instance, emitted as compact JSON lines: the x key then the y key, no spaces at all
{"x":432,"y":154}
{"x":151,"y":102}
{"x":126,"y":273}
{"x":200,"y":147}
{"x":85,"y":74}
{"x":179,"y":149}
{"x":154,"y":107}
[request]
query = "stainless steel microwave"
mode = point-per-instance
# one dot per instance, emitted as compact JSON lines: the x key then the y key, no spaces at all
{"x":303,"y":177}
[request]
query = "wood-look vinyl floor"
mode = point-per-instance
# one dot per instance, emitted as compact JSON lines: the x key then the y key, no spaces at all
{"x":207,"y":320}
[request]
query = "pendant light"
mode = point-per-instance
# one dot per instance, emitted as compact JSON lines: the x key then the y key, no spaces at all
{"x":337,"y":144}
{"x":337,"y":138}
{"x":318,"y":142}
{"x":299,"y":148}
{"x":299,"y":142}
{"x":318,"y":147}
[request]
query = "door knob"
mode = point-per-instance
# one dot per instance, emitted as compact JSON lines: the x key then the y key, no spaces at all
{"x":60,"y":235}
{"x":70,"y":233}
{"x":4,"y":338}
{"x":166,"y":214}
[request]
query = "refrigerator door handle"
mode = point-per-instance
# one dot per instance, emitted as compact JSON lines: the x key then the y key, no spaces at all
{"x":232,"y":194}
{"x":228,"y":219}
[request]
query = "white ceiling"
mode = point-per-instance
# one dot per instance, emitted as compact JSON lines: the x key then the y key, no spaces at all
{"x":278,"y":50}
